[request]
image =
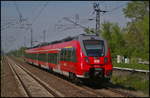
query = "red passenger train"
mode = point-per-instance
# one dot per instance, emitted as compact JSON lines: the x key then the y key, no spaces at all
{"x":83,"y":56}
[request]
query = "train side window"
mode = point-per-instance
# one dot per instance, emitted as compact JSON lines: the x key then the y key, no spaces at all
{"x":26,"y":55}
{"x":39,"y":56}
{"x":30,"y":56}
{"x":52,"y":58}
{"x":44,"y":57}
{"x":66,"y":54}
{"x":36,"y":56}
{"x":49,"y":57}
{"x":56,"y":58}
{"x":69,"y":54}
{"x":62,"y":54}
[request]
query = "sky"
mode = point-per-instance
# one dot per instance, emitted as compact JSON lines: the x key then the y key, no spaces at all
{"x":49,"y":16}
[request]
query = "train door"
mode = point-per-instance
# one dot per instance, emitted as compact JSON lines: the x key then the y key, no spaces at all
{"x":36,"y":59}
{"x":61,"y":57}
{"x":62,"y":64}
{"x":58,"y":62}
{"x":47,"y":60}
{"x":72,"y":59}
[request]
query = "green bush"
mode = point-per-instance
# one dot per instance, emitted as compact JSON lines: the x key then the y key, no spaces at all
{"x":134,"y":81}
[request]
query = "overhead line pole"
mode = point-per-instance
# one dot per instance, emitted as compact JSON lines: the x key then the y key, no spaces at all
{"x":24,"y":41}
{"x":31,"y":37}
{"x":44,"y":36}
{"x":98,"y":11}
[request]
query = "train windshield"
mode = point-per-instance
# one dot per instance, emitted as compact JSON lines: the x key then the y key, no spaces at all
{"x":94,"y":48}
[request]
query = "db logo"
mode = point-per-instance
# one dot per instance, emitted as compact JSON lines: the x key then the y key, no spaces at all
{"x":65,"y":64}
{"x":96,"y":61}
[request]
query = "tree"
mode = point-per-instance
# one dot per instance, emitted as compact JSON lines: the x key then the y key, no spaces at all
{"x":20,"y":52}
{"x":137,"y":35}
{"x":136,"y":10}
{"x":106,"y":30}
{"x":89,"y":31}
{"x":114,"y":35}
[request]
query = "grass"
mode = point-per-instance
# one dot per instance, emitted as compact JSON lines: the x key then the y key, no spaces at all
{"x":133,"y":81}
{"x":133,"y":66}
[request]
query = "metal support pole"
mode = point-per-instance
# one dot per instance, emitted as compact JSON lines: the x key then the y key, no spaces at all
{"x":24,"y":42}
{"x":44,"y":36}
{"x":97,"y":21}
{"x":98,"y":11}
{"x":31,"y":38}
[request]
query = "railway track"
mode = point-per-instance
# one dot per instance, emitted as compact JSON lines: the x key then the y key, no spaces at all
{"x":31,"y":85}
{"x":101,"y":92}
{"x":125,"y":94}
{"x":79,"y":89}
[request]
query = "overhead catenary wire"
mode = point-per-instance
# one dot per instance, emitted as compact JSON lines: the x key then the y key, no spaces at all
{"x":8,"y":26}
{"x":35,"y":18}
{"x":41,"y":10}
{"x":18,"y":11}
{"x":8,"y":23}
{"x":114,"y":9}
{"x":69,"y":20}
{"x":60,"y":26}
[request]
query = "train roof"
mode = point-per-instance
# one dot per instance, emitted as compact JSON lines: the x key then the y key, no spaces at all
{"x":69,"y":38}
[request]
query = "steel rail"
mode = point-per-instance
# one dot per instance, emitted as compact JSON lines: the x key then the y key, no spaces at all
{"x":132,"y":70}
{"x":42,"y":83}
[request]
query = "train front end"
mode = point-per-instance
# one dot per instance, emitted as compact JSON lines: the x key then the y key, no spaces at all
{"x":95,"y":58}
